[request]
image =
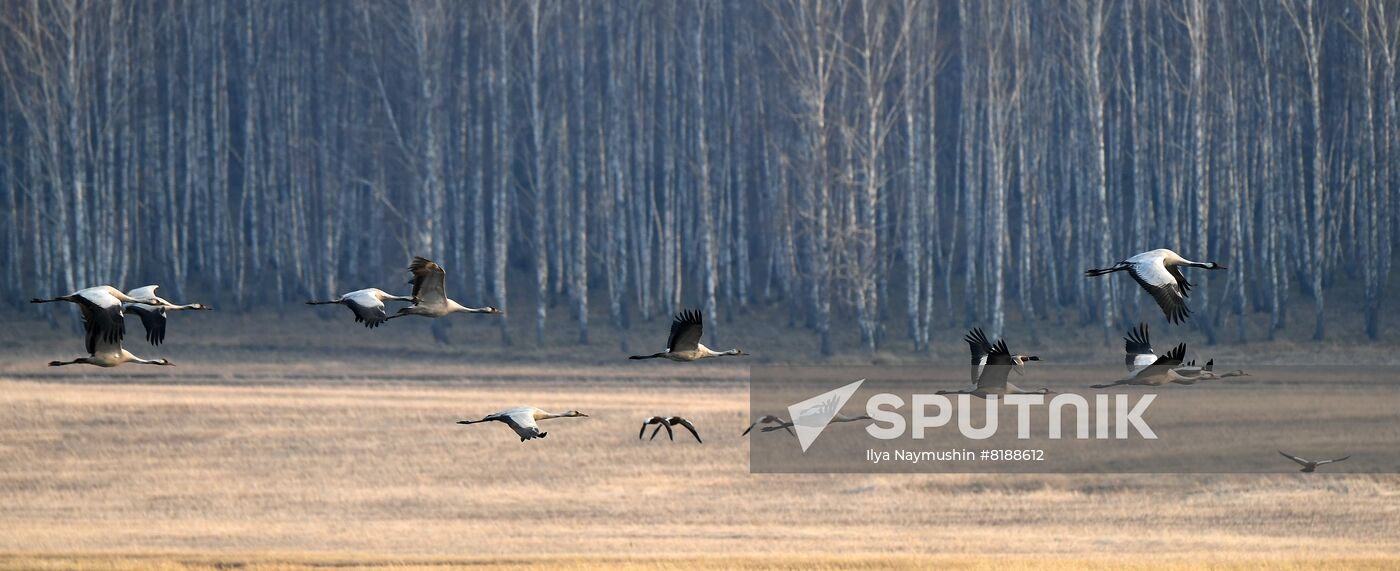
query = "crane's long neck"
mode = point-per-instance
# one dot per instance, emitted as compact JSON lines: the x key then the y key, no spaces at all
{"x":708,"y":352}
{"x":124,"y":356}
{"x":459,"y":308}
{"x":1180,"y":261}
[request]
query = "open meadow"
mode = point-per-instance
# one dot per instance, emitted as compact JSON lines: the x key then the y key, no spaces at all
{"x":275,"y":455}
{"x":840,"y":202}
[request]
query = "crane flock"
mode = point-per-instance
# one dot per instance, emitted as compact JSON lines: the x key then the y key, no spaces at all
{"x":1158,"y":272}
{"x":104,"y":322}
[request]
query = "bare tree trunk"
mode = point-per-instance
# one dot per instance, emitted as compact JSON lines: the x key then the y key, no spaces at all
{"x":1308,"y":23}
{"x":709,"y":278}
{"x":537,"y":174}
{"x":503,"y":143}
{"x":1090,"y":54}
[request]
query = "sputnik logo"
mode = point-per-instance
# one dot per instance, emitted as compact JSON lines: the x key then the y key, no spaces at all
{"x":810,"y":417}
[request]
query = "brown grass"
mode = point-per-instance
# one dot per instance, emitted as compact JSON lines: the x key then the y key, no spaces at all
{"x":206,"y":562}
{"x":380,"y":470}
{"x":291,"y":444}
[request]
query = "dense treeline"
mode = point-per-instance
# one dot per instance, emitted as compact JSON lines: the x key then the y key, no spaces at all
{"x":913,"y":162}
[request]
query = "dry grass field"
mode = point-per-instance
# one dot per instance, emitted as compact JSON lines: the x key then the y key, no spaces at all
{"x":309,"y":455}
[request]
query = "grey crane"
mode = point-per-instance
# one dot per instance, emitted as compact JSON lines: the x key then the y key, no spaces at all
{"x":991,"y":365}
{"x":153,"y":317}
{"x":522,"y":420}
{"x":430,"y":293}
{"x":367,"y":305}
{"x":667,"y":422}
{"x":1159,"y":274}
{"x":684,"y":342}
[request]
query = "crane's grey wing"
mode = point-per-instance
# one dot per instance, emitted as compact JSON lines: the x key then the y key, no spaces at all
{"x":671,"y":434}
{"x":1159,"y":283}
{"x":368,"y":310}
{"x":429,"y":281}
{"x":1165,"y":363}
{"x":648,"y":422}
{"x":1138,"y":348}
{"x":102,"y":347}
{"x":998,"y":367}
{"x":1180,"y":280}
{"x":1300,"y":461}
{"x":153,"y":319}
{"x":688,"y":426}
{"x":1176,"y":356}
{"x":1188,"y":369}
{"x":980,"y":347}
{"x":1138,"y":362}
{"x":522,"y":421}
{"x":525,"y":432}
{"x":686,"y":330}
{"x":976,"y":371}
{"x":771,"y":419}
{"x":102,"y":323}
{"x":780,"y":424}
{"x":144,"y":292}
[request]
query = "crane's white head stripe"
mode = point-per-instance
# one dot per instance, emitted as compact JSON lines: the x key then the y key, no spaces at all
{"x":811,"y":416}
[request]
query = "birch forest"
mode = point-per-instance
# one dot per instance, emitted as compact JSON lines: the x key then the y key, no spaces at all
{"x":894,"y":166}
